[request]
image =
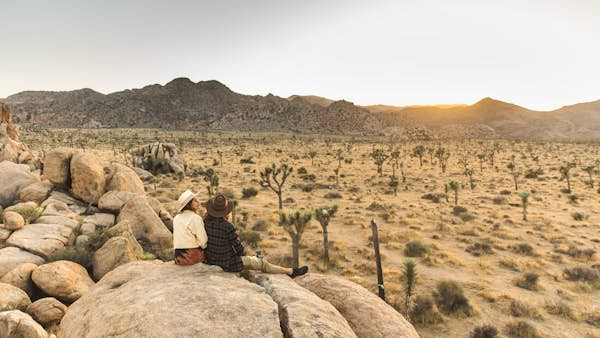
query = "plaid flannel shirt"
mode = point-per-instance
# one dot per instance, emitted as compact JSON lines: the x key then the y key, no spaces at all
{"x":224,"y":247}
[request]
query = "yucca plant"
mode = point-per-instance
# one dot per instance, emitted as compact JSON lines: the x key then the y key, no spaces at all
{"x":324,"y":215}
{"x":565,"y":172}
{"x":455,"y":187}
{"x":524,"y":202}
{"x":274,"y":177}
{"x":410,"y":277}
{"x":294,"y":224}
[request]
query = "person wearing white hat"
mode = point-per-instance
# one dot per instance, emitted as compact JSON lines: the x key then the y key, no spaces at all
{"x":189,"y":236}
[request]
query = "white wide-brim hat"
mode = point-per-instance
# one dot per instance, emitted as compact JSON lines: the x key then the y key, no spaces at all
{"x":184,"y":199}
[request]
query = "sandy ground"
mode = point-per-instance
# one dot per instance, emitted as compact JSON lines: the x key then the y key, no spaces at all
{"x":488,"y":280}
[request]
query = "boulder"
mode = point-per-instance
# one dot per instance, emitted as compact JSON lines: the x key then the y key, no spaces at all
{"x":57,"y":208}
{"x":19,"y":324}
{"x":62,"y":220}
{"x":36,"y":192}
{"x":65,"y":280}
{"x":11,"y":257}
{"x":47,"y":310}
{"x":22,"y":205}
{"x":13,"y":178}
{"x":367,"y":314}
{"x":115,"y":252}
{"x":166,"y":218}
{"x":123,"y":229}
{"x":123,"y":178}
{"x":20,"y":277}
{"x":113,"y":201}
{"x":87,"y":177}
{"x":12,"y":220}
{"x":209,"y":303}
{"x":100,"y":219}
{"x":12,"y":298}
{"x":81,"y":241}
{"x":74,"y":204}
{"x":87,"y":229}
{"x":144,"y":175}
{"x":42,"y":239}
{"x":4,"y":233}
{"x":57,"y":166}
{"x":147,"y":226}
{"x":301,"y":312}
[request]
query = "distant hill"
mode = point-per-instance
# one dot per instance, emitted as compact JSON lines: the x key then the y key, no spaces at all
{"x":183,"y":104}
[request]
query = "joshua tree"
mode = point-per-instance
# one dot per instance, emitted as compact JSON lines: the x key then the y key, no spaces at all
{"x":394,"y":184}
{"x":431,"y":152}
{"x":515,"y":174}
{"x":454,"y":186}
{"x":419,"y":151}
{"x":312,"y":154}
{"x":590,"y":170}
{"x":464,"y":161}
{"x":274,"y":177}
{"x":295,"y":224}
{"x":220,"y":153}
{"x":337,"y":176}
{"x":323,"y":215}
{"x":491,"y":157}
{"x":211,"y":177}
{"x":481,"y":158}
{"x":565,"y":171}
{"x":442,"y":155}
{"x":395,"y":155}
{"x":339,"y":157}
{"x":525,"y":202}
{"x":469,"y":172}
{"x":380,"y":157}
{"x":410,"y":277}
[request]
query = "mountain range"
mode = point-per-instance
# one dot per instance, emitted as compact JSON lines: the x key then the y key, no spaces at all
{"x":183,"y":104}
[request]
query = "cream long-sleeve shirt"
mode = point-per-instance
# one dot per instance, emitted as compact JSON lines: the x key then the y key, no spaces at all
{"x":188,"y":231}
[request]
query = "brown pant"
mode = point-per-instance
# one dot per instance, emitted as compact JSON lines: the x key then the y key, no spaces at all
{"x":261,"y":264}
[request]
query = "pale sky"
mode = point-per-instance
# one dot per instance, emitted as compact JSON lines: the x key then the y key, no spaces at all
{"x":538,"y":54}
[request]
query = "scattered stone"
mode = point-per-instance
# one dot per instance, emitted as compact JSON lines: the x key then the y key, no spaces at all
{"x":101,"y":220}
{"x":367,"y":314}
{"x":12,"y":220}
{"x":20,"y":277}
{"x":62,"y":220}
{"x":119,"y":305}
{"x":12,"y":298}
{"x":57,"y":166}
{"x":87,"y":177}
{"x":301,"y":312}
{"x":113,"y":201}
{"x":57,"y":208}
{"x":13,"y":178}
{"x":65,"y":280}
{"x":11,"y":257}
{"x":42,"y":239}
{"x":115,"y":252}
{"x":47,"y":311}
{"x":36,"y":192}
{"x":144,"y":175}
{"x":122,"y":178}
{"x":19,"y":324}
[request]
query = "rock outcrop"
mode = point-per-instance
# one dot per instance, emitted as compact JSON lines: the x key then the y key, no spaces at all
{"x":13,"y":178}
{"x":64,"y":280}
{"x":159,"y":158}
{"x":87,"y":177}
{"x":42,"y":239}
{"x":11,"y":149}
{"x":367,"y":314}
{"x":122,"y":178}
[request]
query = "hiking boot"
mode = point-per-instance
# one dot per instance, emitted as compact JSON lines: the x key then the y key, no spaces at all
{"x":299,"y":271}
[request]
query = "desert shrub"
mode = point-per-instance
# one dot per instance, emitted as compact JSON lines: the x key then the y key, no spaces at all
{"x":333,"y":195}
{"x":579,"y":216}
{"x":435,"y":198}
{"x":73,"y":254}
{"x":450,"y":299}
{"x":457,"y":210}
{"x":593,"y":319}
{"x":575,"y":252}
{"x":147,"y":256}
{"x":415,"y":249}
{"x":484,"y":331}
{"x":466,"y":217}
{"x":249,"y":192}
{"x":522,"y":329}
{"x":505,"y":192}
{"x":560,"y":308}
{"x":302,"y":171}
{"x":308,"y":187}
{"x":309,"y":177}
{"x":479,"y":249}
{"x":582,"y":274}
{"x":424,"y":311}
{"x":533,"y":173}
{"x":520,"y":309}
{"x":28,"y":213}
{"x":528,"y":281}
{"x":249,"y":237}
{"x":498,"y":200}
{"x":247,"y":160}
{"x":260,"y":225}
{"x":523,"y":249}
{"x":573,"y":199}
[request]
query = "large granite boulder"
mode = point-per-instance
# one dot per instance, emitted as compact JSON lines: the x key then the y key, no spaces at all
{"x":19,"y":324}
{"x":123,"y":178}
{"x":65,"y":280}
{"x":301,"y":312}
{"x":115,"y":252}
{"x":87,"y":177}
{"x":36,"y":192}
{"x":13,"y":178}
{"x":21,"y":277}
{"x":147,"y":227}
{"x":42,"y":239}
{"x":57,"y":166}
{"x":367,"y":314}
{"x":13,"y":298}
{"x":139,"y":299}
{"x":47,"y":311}
{"x":12,"y":220}
{"x":11,"y":257}
{"x":113,"y":201}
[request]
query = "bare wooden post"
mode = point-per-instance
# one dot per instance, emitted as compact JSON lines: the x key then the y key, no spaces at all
{"x":378,"y":261}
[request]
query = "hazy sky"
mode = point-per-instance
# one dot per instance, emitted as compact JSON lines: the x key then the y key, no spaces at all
{"x":539,"y":54}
